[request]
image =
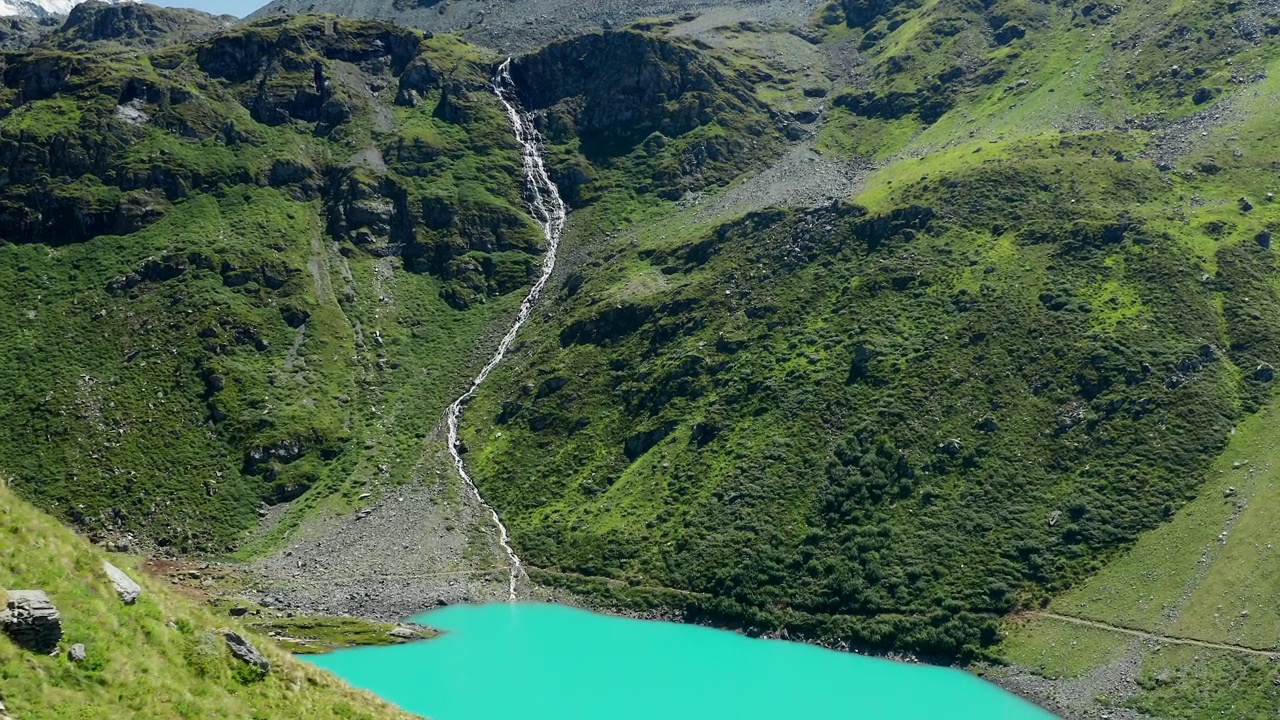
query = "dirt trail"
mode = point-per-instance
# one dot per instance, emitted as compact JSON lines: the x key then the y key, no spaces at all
{"x":1271,"y":654}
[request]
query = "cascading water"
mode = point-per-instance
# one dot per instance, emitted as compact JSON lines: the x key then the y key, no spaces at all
{"x":549,"y":210}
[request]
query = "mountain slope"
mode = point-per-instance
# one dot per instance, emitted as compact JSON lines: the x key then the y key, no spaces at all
{"x":893,"y":421}
{"x":206,"y":246}
{"x":269,"y":257}
{"x":530,"y":25}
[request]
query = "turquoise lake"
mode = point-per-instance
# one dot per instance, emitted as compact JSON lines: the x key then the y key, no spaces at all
{"x":543,"y":662}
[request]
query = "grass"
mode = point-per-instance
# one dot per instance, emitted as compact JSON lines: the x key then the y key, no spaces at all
{"x":1187,"y":568}
{"x":160,"y":658}
{"x":312,"y":635}
{"x":1194,"y":683}
{"x":1058,"y":649}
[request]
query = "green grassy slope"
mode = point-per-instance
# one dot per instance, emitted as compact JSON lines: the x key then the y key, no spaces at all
{"x":237,"y":291}
{"x":160,"y":658}
{"x":893,"y":422}
{"x":268,"y":259}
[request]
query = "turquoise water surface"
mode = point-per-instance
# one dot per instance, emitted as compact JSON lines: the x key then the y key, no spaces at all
{"x":544,"y":662}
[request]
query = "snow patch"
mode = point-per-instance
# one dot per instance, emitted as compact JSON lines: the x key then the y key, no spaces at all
{"x":44,"y":8}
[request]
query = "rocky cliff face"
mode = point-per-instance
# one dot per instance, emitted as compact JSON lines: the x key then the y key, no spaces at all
{"x":665,"y":110}
{"x":43,"y":8}
{"x":619,"y":87}
{"x":95,"y":22}
{"x":18,"y":32}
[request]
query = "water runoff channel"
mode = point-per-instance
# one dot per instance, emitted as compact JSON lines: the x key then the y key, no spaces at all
{"x":549,"y":210}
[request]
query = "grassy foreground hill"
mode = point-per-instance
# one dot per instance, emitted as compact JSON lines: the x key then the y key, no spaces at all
{"x":162,"y":657}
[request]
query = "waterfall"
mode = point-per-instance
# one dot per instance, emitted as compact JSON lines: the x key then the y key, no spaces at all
{"x":549,"y":210}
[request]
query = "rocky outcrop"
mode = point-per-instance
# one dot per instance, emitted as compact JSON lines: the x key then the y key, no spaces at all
{"x":134,"y":24}
{"x":606,"y":326}
{"x":1264,"y":373}
{"x":242,"y":56}
{"x":370,"y":213}
{"x":865,"y":13}
{"x":31,"y":620}
{"x":125,"y":587}
{"x":622,"y":86}
{"x":625,"y":91}
{"x":641,"y":443}
{"x":245,"y":652}
{"x":17,"y":33}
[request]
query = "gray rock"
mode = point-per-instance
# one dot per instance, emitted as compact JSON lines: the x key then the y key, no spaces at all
{"x":245,"y":651}
{"x":126,"y":588}
{"x":950,"y":447}
{"x":31,"y":620}
{"x":401,"y":632}
{"x":77,"y":653}
{"x":1264,"y":373}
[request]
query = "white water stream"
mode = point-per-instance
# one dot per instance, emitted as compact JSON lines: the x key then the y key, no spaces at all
{"x":549,"y":210}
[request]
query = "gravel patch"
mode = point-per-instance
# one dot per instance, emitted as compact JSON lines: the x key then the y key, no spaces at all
{"x":414,"y":548}
{"x":1078,"y":698}
{"x":519,"y":26}
{"x":802,"y":178}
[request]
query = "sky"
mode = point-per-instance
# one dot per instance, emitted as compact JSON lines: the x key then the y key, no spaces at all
{"x":239,"y":8}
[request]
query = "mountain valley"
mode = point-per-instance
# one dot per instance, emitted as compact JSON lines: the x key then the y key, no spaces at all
{"x":940,"y":329}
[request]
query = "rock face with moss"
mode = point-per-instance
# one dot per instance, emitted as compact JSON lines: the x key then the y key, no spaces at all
{"x":630,"y":94}
{"x":30,"y":620}
{"x":97,"y":24}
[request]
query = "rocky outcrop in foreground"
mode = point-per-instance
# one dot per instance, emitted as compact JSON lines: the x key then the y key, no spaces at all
{"x":126,"y":588}
{"x":30,"y":619}
{"x":245,"y":652}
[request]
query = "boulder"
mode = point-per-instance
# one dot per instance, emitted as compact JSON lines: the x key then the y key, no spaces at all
{"x":950,"y":447}
{"x":1264,"y":373}
{"x":404,"y":632}
{"x":31,"y":620}
{"x":77,"y":653}
{"x":126,"y":588}
{"x":245,"y":651}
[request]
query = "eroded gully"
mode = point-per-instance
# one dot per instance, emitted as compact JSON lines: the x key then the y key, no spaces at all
{"x":549,"y":210}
